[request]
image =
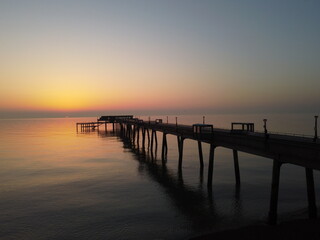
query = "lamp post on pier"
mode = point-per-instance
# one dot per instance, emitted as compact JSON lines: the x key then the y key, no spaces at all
{"x":203,"y":119}
{"x":265,"y":128}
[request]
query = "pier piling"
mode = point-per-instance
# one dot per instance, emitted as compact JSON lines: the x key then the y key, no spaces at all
{"x":155,"y":140}
{"x":164,"y":146}
{"x":180,"y":148}
{"x":143,"y":138}
{"x":311,"y":194}
{"x":274,"y":192}
{"x":151,"y":147}
{"x":236,"y":166}
{"x":211,"y":163}
{"x":138,"y":136}
{"x":200,"y":154}
{"x":148,"y":135}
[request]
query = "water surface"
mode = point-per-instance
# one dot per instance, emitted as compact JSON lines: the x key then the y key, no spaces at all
{"x":56,"y":183}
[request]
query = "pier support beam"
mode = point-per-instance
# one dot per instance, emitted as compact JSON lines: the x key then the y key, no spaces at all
{"x":128,"y":131}
{"x":311,"y":194}
{"x":134,"y":127}
{"x":236,"y":167}
{"x":138,"y":136}
{"x":151,"y":147}
{"x":122,"y":129}
{"x":180,"y":148}
{"x":274,"y":192}
{"x":148,"y":135}
{"x":211,"y":163}
{"x":200,"y":154}
{"x":164,"y":150}
{"x":143,"y":138}
{"x":156,"y":141}
{"x":131,"y":133}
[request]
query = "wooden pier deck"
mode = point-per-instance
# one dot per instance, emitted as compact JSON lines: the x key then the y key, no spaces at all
{"x":297,"y":150}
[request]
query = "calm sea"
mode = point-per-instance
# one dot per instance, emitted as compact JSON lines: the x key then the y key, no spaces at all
{"x":56,"y":183}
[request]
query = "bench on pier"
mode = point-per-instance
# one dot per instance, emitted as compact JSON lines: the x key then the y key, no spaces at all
{"x":199,"y":129}
{"x":240,"y":127}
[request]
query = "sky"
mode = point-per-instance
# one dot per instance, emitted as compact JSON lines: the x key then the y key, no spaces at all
{"x":77,"y":58}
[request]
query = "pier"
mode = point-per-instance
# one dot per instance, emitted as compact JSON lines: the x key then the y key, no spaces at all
{"x":281,"y":148}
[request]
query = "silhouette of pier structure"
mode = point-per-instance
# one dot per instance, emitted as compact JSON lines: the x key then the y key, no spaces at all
{"x":297,"y":150}
{"x":88,"y":126}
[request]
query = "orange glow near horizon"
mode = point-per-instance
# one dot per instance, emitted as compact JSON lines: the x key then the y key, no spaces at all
{"x":80,"y":93}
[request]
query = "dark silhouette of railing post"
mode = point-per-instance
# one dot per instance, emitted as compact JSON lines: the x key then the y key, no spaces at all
{"x":311,"y":194}
{"x":274,"y":192}
{"x":236,"y":167}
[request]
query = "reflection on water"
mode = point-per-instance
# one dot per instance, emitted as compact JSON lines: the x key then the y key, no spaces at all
{"x":59,"y":184}
{"x":192,"y":203}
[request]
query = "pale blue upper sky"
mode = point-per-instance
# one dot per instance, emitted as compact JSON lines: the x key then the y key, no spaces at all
{"x":240,"y":55}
